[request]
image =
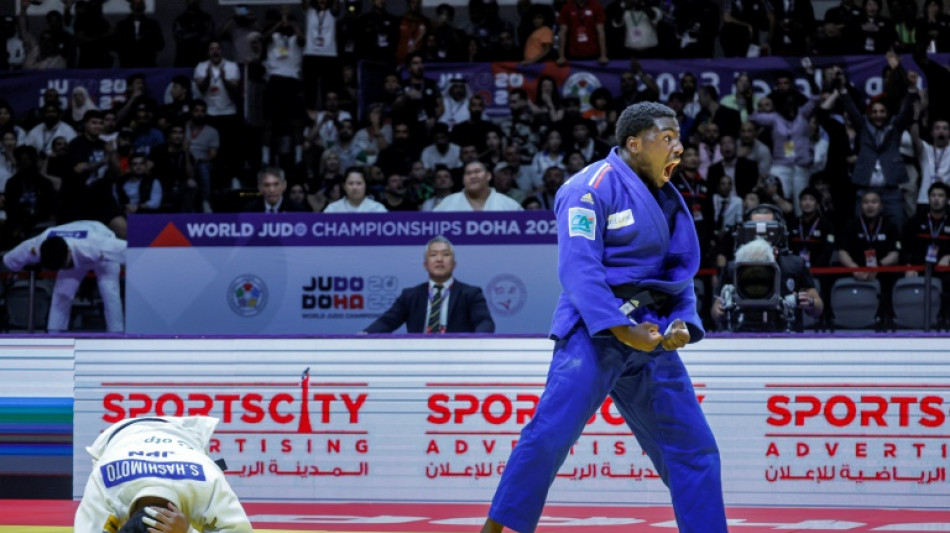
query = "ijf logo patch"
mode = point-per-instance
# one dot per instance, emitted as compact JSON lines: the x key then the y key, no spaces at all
{"x":581,"y":222}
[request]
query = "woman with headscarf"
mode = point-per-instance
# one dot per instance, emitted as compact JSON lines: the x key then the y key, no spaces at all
{"x":79,"y":103}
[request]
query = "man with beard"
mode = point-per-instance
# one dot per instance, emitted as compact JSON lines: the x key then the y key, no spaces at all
{"x":441,"y":151}
{"x":203,"y":142}
{"x":474,"y":130}
{"x":751,"y":148}
{"x":351,"y":154}
{"x":41,"y":137}
{"x":629,"y":92}
{"x":87,"y":192}
{"x":137,"y":191}
{"x":219,"y":79}
{"x":394,"y":195}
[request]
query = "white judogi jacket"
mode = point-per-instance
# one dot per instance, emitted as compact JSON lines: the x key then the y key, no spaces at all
{"x":162,"y":459}
{"x":89,"y":241}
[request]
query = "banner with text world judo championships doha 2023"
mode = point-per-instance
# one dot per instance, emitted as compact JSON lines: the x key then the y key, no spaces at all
{"x":293,"y":273}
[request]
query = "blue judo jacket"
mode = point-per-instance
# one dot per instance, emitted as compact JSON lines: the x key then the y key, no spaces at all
{"x":612,"y":231}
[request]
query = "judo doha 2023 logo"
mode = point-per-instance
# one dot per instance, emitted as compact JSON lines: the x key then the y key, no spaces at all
{"x":247,"y":295}
{"x":507,"y":295}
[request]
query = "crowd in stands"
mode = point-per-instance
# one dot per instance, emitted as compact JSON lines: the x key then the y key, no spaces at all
{"x":860,"y":177}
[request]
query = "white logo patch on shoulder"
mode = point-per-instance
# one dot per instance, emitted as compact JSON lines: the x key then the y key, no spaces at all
{"x":621,"y":219}
{"x":582,"y":222}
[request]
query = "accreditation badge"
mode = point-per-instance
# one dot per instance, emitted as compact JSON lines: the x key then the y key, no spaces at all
{"x":931,"y":253}
{"x":870,"y":257}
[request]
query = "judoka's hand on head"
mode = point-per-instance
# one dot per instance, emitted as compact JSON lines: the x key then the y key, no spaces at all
{"x":677,"y":336}
{"x":168,"y":520}
{"x":644,"y":336}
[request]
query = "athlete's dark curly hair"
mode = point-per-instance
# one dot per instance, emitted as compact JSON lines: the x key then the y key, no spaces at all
{"x":639,"y":117}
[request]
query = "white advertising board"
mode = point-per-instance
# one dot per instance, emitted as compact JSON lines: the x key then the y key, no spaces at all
{"x":858,"y":422}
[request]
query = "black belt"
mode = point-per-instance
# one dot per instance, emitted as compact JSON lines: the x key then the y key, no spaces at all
{"x":635,"y":297}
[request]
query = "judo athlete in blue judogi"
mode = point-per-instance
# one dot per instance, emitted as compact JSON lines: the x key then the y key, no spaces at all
{"x":628,"y":252}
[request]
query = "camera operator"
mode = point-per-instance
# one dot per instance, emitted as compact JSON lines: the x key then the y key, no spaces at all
{"x":796,"y":287}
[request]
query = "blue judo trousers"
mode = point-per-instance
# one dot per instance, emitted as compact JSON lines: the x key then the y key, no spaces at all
{"x":614,"y":231}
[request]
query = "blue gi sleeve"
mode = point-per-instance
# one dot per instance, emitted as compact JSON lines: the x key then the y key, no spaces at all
{"x":581,"y":212}
{"x":685,"y":310}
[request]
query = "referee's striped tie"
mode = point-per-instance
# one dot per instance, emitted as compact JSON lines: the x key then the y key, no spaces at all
{"x":435,"y":310}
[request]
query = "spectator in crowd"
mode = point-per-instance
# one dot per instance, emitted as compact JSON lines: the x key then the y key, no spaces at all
{"x":30,"y":197}
{"x":550,"y":155}
{"x":726,"y":209}
{"x":442,"y":185}
{"x":933,"y":158}
{"x":87,"y":190}
{"x":424,"y":97}
{"x":219,"y":79}
{"x":455,"y":102}
{"x":177,"y":106}
{"x":729,"y":120}
{"x":36,"y":115}
{"x":193,"y":31}
{"x":297,"y":193}
{"x":138,"y":39}
{"x":552,"y":179}
{"x":447,"y":41}
{"x":283,"y":101}
{"x":8,"y":145}
{"x":743,"y":24}
{"x":144,"y":135}
{"x":585,"y":142}
{"x":350,"y":152}
{"x":174,"y":167}
{"x":812,"y":235}
{"x":792,"y":28}
{"x":840,"y":26}
{"x":743,"y":98}
{"x":93,"y":35}
{"x":203,"y":142}
{"x":791,"y":155}
{"x":696,"y":26}
{"x":639,"y":22}
{"x":770,"y":191}
{"x":874,"y":33}
{"x":64,"y":42}
{"x":504,"y":183}
{"x":540,"y":43}
{"x":272,"y":185}
{"x":56,"y":165}
{"x":879,"y":165}
{"x":238,"y":32}
{"x":573,"y":162}
{"x":73,"y":250}
{"x":349,"y":31}
{"x":394,"y":196}
{"x":476,"y":128}
{"x":872,"y":240}
{"x":691,"y":185}
{"x":190,"y":494}
{"x":136,"y":94}
{"x":927,"y":240}
{"x":630,"y":92}
{"x":933,"y":27}
{"x":441,"y":151}
{"x":397,"y":158}
{"x":79,"y":103}
{"x":904,"y":13}
{"x":323,"y":131}
{"x":41,"y":137}
{"x":477,"y":193}
{"x":494,"y":149}
{"x":546,"y":106}
{"x":378,"y":34}
{"x":7,"y":122}
{"x":581,"y":33}
{"x":355,"y":198}
{"x":743,"y":173}
{"x":706,"y":139}
{"x":524,"y":176}
{"x":413,"y":27}
{"x":441,"y":305}
{"x":376,"y":134}
{"x":137,"y":191}
{"x":321,"y":60}
{"x":42,"y":53}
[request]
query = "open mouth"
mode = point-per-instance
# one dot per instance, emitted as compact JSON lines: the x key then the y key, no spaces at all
{"x":668,"y":170}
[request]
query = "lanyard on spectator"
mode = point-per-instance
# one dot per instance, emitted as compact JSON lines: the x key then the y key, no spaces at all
{"x":320,"y":20}
{"x":934,"y":233}
{"x":867,"y":234}
{"x":806,"y":236}
{"x":937,"y":160}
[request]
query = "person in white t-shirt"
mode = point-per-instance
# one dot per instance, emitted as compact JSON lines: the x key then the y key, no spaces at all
{"x":153,"y":474}
{"x":219,"y":82}
{"x":41,"y":137}
{"x":934,"y":158}
{"x":283,"y":107}
{"x":477,"y":194}
{"x":321,"y":64}
{"x":354,"y":196}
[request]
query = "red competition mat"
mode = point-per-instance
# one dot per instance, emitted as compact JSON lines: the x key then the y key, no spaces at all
{"x":55,"y":516}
